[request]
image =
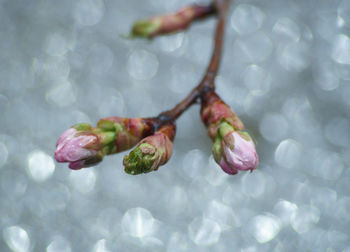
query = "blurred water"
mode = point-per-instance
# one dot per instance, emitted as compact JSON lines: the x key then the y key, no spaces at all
{"x":285,"y":72}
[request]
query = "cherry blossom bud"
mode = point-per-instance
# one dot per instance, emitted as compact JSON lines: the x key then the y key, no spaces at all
{"x":79,"y":148}
{"x":152,"y":152}
{"x":83,"y":145}
{"x":233,"y":149}
{"x":242,"y":156}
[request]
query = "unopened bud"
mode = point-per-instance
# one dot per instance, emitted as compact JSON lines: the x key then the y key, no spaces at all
{"x":76,"y":147}
{"x":84,"y":145}
{"x":152,"y":152}
{"x":234,"y":150}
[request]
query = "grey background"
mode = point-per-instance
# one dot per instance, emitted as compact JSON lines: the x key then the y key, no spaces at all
{"x":285,"y":72}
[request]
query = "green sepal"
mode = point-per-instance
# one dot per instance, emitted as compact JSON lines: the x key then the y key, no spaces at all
{"x":217,"y":149}
{"x":107,"y":137}
{"x":225,"y":128}
{"x":106,"y":125}
{"x":82,"y":127}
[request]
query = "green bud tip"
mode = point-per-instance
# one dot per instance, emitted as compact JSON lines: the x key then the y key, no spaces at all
{"x":145,"y":28}
{"x":140,"y":160}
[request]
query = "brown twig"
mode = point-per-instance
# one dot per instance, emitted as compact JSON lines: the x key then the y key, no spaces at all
{"x":207,"y":83}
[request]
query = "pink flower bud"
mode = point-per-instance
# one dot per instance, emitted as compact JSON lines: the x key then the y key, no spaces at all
{"x":233,"y":149}
{"x":227,"y":168}
{"x":73,"y":148}
{"x":84,"y":145}
{"x":238,"y":153}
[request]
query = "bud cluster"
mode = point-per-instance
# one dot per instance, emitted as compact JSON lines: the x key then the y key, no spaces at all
{"x":83,"y":145}
{"x":233,"y":149}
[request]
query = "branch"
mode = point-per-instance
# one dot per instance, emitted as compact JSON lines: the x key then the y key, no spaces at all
{"x":207,"y":83}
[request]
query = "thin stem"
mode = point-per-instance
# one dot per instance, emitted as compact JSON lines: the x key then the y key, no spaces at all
{"x":207,"y":83}
{"x":212,"y":70}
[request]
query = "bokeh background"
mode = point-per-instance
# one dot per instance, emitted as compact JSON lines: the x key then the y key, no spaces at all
{"x":285,"y":72}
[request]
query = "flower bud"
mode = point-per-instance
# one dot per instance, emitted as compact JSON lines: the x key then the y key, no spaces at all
{"x":234,"y":150}
{"x":152,"y":152}
{"x":242,"y":156}
{"x":171,"y":22}
{"x":84,"y":145}
{"x":79,"y":148}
